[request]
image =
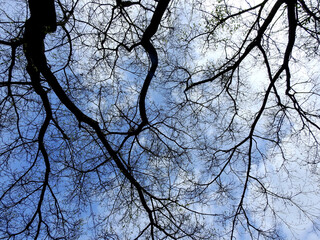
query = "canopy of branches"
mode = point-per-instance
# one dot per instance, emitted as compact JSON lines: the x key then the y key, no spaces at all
{"x":168,"y":119}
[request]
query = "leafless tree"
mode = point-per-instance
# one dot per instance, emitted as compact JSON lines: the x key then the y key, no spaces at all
{"x":159,"y":119}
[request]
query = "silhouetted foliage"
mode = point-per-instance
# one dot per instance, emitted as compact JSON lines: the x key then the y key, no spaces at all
{"x":159,"y":119}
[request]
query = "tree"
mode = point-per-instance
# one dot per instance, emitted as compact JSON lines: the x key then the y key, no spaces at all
{"x":159,"y":119}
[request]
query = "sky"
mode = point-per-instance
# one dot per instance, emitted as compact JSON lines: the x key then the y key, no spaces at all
{"x":296,"y":176}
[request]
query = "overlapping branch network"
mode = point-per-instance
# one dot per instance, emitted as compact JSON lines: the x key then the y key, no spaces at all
{"x":109,"y":114}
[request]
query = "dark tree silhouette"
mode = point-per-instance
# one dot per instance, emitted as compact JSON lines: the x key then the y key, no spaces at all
{"x":159,"y":119}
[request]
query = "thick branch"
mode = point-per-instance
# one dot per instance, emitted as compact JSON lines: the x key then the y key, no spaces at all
{"x":249,"y":48}
{"x":152,"y":52}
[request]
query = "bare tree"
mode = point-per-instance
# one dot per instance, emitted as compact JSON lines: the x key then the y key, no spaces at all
{"x":159,"y":119}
